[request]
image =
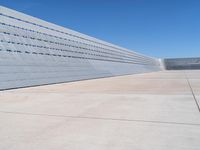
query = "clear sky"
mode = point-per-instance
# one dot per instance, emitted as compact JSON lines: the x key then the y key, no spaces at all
{"x":159,"y":28}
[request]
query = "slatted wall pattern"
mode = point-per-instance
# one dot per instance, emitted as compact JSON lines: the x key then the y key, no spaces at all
{"x":35,"y":52}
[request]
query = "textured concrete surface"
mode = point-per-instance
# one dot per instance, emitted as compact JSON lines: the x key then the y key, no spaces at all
{"x":153,"y":111}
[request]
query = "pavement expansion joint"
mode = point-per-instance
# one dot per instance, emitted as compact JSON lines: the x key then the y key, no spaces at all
{"x":191,"y":89}
{"x":103,"y":118}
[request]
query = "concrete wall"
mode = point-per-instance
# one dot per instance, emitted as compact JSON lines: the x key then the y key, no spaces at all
{"x":182,"y":63}
{"x":35,"y":52}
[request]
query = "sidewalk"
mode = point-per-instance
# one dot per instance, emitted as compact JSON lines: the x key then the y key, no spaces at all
{"x":153,"y":111}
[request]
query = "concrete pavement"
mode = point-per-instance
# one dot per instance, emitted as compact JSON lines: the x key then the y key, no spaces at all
{"x":153,"y":111}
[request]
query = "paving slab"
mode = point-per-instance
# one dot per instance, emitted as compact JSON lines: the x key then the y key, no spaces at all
{"x":160,"y":108}
{"x":115,"y":85}
{"x":195,"y":85}
{"x":197,"y":96}
{"x":50,"y":133}
{"x":194,"y":74}
{"x":162,"y":75}
{"x":146,"y":111}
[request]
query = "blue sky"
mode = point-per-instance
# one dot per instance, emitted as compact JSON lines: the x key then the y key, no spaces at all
{"x":159,"y":28}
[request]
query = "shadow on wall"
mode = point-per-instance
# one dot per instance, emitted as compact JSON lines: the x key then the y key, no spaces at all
{"x":182,"y":63}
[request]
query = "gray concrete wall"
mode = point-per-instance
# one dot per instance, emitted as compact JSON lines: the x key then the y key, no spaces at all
{"x":182,"y":63}
{"x":35,"y":52}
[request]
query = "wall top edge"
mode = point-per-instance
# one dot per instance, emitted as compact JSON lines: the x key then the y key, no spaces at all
{"x":21,"y":15}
